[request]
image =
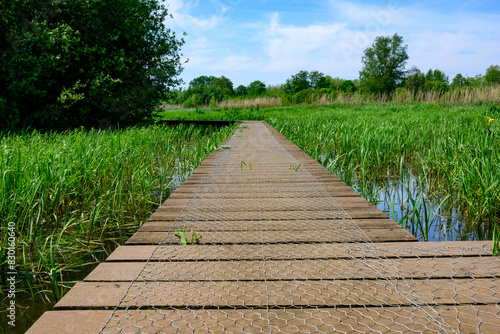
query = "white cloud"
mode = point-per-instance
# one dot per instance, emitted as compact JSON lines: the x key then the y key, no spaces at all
{"x":289,"y":47}
{"x":180,"y":10}
{"x":367,"y":15}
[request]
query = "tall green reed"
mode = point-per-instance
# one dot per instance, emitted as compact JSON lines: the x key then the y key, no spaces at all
{"x":455,"y":148}
{"x":71,"y":194}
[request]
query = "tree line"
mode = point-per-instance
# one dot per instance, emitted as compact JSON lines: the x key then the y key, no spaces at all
{"x":383,"y":72}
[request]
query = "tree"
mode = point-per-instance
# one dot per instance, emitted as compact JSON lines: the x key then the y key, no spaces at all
{"x":256,"y":88}
{"x":415,"y":79}
{"x":383,"y":64}
{"x":334,"y":82}
{"x":241,"y":90}
{"x":222,"y":84}
{"x":459,"y":81}
{"x":318,"y":80}
{"x":492,"y":75}
{"x":437,"y":76}
{"x":347,"y":86}
{"x":70,"y":63}
{"x":297,"y":83}
{"x":436,"y":80}
{"x":201,"y":81}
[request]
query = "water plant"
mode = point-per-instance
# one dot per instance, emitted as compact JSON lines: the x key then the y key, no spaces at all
{"x":73,"y":196}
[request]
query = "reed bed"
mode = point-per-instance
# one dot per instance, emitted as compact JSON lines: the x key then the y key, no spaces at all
{"x":457,"y":96}
{"x":262,"y":102}
{"x":70,"y":195}
{"x":451,"y":156}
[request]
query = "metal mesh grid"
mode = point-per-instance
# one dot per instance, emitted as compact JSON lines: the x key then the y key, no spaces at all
{"x":280,"y":255}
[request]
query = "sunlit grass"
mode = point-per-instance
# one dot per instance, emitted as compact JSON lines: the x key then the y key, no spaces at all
{"x":72,"y":194}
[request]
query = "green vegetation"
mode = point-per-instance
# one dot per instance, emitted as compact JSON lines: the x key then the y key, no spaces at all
{"x":66,"y":64}
{"x":384,"y":65}
{"x":444,"y":158}
{"x":181,"y":234}
{"x":72,"y":195}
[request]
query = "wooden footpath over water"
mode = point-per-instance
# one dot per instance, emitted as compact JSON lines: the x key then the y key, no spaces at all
{"x":286,"y":247}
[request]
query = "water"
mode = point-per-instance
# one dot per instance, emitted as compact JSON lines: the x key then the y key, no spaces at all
{"x":29,"y":310}
{"x":428,"y":217}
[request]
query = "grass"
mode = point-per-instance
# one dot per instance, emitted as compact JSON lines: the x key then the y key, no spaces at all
{"x":74,"y":195}
{"x":453,"y":152}
{"x":454,"y":96}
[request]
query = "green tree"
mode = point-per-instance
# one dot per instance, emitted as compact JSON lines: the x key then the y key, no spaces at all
{"x":70,"y":63}
{"x":436,"y":80}
{"x":203,"y":81}
{"x":318,"y":80}
{"x":437,"y":76}
{"x":384,"y":64}
{"x":222,"y":84}
{"x":415,"y":79}
{"x":256,"y":88}
{"x":334,"y":82}
{"x":347,"y":86}
{"x":297,"y":83}
{"x":459,"y":81}
{"x":492,"y":75}
{"x":241,"y":90}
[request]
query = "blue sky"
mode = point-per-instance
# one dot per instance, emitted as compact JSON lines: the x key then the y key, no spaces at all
{"x":269,"y":40}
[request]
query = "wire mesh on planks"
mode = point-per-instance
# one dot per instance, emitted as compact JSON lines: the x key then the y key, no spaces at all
{"x":279,"y":255}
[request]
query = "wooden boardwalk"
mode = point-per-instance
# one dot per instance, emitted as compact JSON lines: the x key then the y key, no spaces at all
{"x":286,"y":247}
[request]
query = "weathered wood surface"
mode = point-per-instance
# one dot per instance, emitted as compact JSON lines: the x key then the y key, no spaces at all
{"x":280,"y":252}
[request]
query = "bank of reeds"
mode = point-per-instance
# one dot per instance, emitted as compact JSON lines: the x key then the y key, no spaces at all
{"x":458,"y":96}
{"x":454,"y":151}
{"x":69,"y":195}
{"x":262,"y":102}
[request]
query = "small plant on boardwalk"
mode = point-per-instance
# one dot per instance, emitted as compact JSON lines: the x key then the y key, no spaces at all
{"x":244,"y":163}
{"x":496,"y":241}
{"x":295,"y":167}
{"x":181,"y":234}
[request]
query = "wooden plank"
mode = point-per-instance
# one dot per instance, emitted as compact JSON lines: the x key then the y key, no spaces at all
{"x":337,"y":193}
{"x":323,"y":293}
{"x":473,"y":319}
{"x":239,"y":205}
{"x":354,"y":269}
{"x":282,"y":225}
{"x":302,"y":251}
{"x":245,"y":237}
{"x":200,"y":200}
{"x":225,"y":215}
{"x":73,"y":322}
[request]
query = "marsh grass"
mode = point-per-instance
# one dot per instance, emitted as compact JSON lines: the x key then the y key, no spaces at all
{"x":74,"y":195}
{"x":454,"y":151}
{"x":456,"y":96}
